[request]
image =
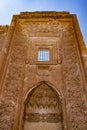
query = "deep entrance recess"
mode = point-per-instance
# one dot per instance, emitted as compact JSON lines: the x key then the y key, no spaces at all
{"x":43,"y":109}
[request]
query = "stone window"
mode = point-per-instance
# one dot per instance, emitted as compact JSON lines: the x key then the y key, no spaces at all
{"x":43,"y":54}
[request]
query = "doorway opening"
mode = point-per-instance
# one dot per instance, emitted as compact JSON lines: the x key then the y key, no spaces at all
{"x":43,"y":109}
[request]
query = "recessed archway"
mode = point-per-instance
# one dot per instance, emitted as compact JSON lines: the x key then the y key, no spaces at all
{"x":43,"y":109}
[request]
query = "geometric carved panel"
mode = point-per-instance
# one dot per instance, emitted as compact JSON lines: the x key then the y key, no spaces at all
{"x":43,"y":105}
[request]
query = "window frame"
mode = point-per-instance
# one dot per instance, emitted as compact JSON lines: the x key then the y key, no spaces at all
{"x":47,"y":62}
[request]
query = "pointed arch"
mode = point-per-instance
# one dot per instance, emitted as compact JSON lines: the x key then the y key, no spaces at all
{"x":43,"y":82}
{"x":42,"y":107}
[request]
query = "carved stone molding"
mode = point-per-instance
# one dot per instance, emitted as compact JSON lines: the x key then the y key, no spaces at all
{"x":44,"y":27}
{"x":73,"y":80}
{"x":49,"y":117}
{"x":43,"y":97}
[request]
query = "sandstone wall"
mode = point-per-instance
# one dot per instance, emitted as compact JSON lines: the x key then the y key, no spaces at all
{"x":22,"y":71}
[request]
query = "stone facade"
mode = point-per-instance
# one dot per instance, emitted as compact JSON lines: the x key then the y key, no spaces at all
{"x":43,"y":95}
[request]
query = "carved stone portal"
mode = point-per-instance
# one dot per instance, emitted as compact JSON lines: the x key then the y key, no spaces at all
{"x":43,"y":109}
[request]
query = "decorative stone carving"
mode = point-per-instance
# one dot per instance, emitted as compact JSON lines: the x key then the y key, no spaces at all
{"x":43,"y":96}
{"x":10,"y":88}
{"x":37,"y":117}
{"x":72,"y":76}
{"x":43,"y":105}
{"x":44,"y":27}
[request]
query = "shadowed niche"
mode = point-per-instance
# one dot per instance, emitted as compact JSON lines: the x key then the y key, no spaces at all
{"x":43,"y":110}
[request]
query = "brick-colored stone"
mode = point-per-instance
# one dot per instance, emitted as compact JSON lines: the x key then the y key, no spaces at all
{"x":32,"y":93}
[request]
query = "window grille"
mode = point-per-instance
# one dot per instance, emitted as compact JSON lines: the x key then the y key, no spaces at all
{"x":43,"y":55}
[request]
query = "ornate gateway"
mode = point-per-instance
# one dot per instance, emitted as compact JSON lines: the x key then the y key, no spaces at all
{"x":43,"y":109}
{"x":43,"y":48}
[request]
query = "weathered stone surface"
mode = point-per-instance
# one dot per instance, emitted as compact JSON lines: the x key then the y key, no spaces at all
{"x":63,"y":76}
{"x":3,"y":32}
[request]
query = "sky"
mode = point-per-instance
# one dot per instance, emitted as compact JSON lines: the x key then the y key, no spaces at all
{"x":79,"y":7}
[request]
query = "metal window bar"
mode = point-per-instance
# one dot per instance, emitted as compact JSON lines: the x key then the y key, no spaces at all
{"x":43,"y":55}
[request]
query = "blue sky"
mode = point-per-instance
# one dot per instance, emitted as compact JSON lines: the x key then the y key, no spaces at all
{"x":78,"y":7}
